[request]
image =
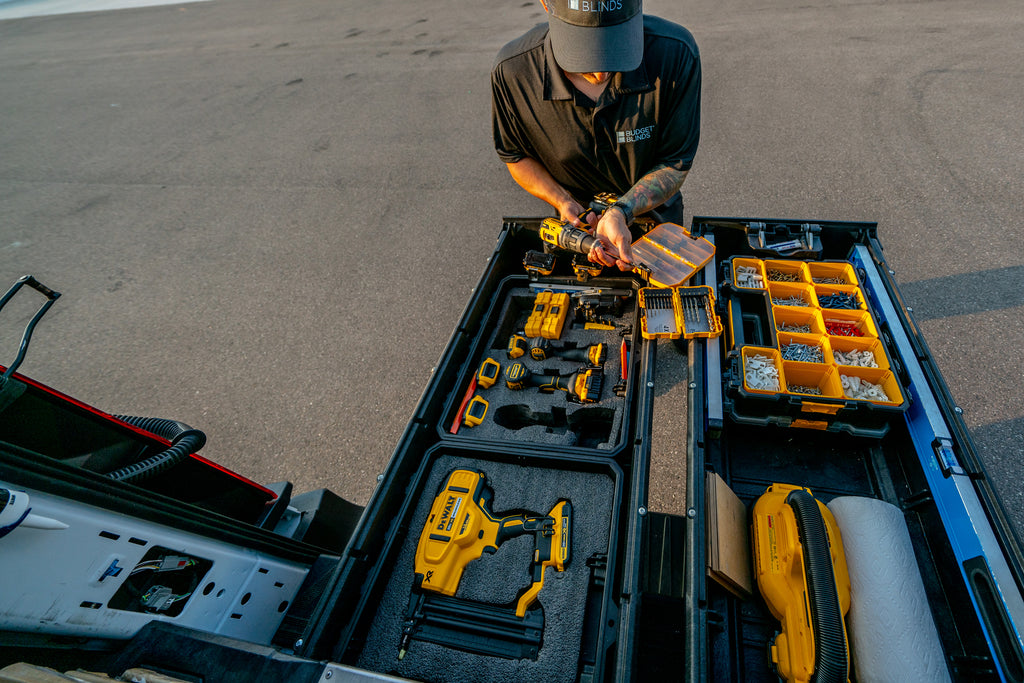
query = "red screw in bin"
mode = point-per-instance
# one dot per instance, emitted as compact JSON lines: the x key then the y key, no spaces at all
{"x":841,"y":328}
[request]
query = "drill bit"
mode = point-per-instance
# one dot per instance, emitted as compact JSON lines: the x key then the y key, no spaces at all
{"x":658,"y":311}
{"x":641,"y":268}
{"x":709,"y":312}
{"x":692,"y":306}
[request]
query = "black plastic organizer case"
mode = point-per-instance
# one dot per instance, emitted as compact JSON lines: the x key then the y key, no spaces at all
{"x":597,"y":461}
{"x":804,"y":348}
{"x":549,"y":418}
{"x":576,"y":603}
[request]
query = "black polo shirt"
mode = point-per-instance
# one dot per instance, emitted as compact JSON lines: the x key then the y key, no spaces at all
{"x":644,"y":118}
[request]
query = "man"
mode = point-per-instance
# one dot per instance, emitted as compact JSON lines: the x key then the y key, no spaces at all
{"x":600,"y":99}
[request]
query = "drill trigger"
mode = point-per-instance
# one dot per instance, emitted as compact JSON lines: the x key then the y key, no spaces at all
{"x":586,"y":212}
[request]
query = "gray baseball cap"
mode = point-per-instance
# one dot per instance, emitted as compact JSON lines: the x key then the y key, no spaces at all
{"x":592,"y":36}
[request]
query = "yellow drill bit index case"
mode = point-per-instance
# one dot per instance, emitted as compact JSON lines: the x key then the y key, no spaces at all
{"x":686,"y":312}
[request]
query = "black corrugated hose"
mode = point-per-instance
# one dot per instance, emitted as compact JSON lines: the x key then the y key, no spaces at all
{"x":184,"y":440}
{"x":831,"y":655}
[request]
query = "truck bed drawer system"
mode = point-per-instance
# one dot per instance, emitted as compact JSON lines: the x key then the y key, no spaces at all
{"x":650,"y":612}
{"x":509,"y":536}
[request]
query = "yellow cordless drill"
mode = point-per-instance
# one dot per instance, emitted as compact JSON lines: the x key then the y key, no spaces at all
{"x":565,"y":235}
{"x":461,"y":527}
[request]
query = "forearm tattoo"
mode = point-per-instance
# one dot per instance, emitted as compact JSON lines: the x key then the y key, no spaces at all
{"x":654,"y":189}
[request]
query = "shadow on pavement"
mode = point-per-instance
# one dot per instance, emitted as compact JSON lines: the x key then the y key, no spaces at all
{"x":943,"y":297}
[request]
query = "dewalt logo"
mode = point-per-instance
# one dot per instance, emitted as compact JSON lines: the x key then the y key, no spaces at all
{"x":451,"y":509}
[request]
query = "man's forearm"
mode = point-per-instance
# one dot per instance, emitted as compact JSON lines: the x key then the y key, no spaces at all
{"x":654,"y":189}
{"x":531,"y":175}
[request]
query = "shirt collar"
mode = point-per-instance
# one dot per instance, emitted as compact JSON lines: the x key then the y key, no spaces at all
{"x":558,"y":87}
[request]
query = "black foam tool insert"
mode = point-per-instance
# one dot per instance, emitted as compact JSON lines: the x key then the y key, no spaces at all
{"x":549,"y":419}
{"x":499,"y":578}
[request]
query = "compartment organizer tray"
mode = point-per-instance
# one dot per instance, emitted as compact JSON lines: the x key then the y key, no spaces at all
{"x":823,"y":366}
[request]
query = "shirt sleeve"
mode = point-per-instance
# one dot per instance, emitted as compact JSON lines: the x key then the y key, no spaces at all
{"x":681,"y":129}
{"x":509,"y":141}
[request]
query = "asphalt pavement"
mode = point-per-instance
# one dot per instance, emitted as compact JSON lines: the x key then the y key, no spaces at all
{"x":266,"y":217}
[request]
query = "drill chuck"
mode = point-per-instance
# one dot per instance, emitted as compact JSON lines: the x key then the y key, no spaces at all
{"x":566,"y":236}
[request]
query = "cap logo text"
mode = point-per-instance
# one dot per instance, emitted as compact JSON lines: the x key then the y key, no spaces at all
{"x":595,"y":5}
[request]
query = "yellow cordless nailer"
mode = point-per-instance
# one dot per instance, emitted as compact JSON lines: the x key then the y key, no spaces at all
{"x":459,"y":529}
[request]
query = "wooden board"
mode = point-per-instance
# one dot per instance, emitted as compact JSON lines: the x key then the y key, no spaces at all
{"x":728,"y":533}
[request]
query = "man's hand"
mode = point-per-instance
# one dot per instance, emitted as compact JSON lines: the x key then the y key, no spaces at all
{"x":570,"y":211}
{"x":613,"y":237}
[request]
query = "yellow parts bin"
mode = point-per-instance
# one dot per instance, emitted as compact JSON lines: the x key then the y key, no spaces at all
{"x":800,"y":320}
{"x":748,"y":273}
{"x":849,"y":362}
{"x":762,"y":369}
{"x":792,"y":294}
{"x":831,"y":273}
{"x":801,"y":572}
{"x":778,"y":270}
{"x":548,"y":316}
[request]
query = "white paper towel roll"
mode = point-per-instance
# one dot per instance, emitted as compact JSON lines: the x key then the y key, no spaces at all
{"x":891,"y":629}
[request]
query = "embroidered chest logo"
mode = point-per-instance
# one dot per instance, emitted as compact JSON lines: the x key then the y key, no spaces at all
{"x":635,"y":135}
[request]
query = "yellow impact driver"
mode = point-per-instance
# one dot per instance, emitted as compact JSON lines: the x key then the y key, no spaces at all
{"x":583,"y":386}
{"x":461,"y":527}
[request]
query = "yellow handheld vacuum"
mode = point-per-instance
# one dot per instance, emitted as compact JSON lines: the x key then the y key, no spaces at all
{"x":801,"y":573}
